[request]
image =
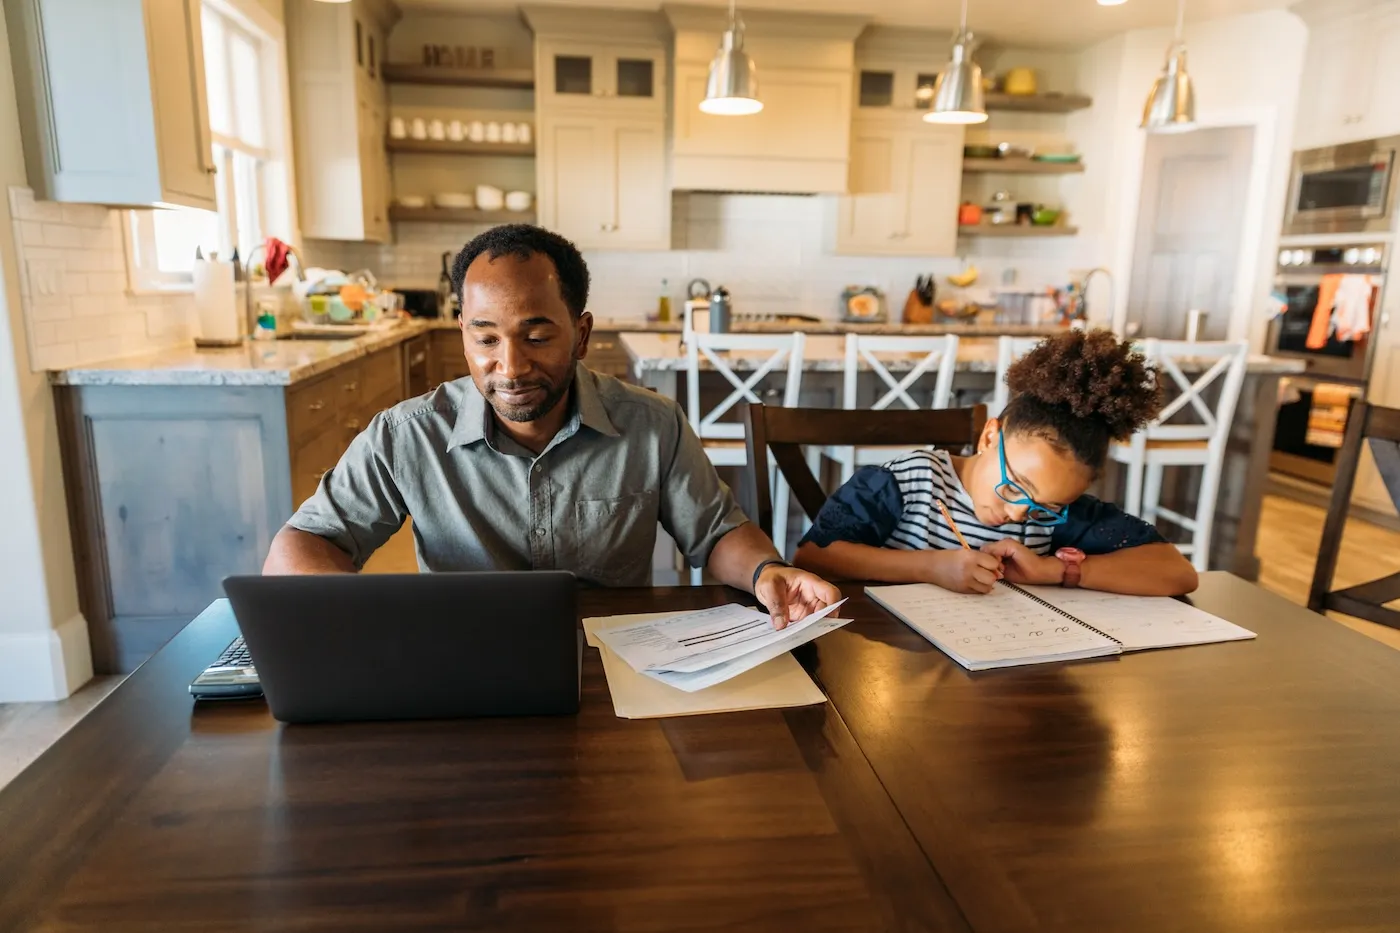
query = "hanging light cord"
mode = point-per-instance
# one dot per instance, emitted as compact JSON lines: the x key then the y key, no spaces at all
{"x":1180,"y":17}
{"x":963,"y":21}
{"x":734,"y":16}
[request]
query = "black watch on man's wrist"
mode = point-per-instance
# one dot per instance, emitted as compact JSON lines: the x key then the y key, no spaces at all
{"x":763,"y":565}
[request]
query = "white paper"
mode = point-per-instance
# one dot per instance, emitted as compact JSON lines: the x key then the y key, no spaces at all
{"x":1142,"y":622}
{"x":696,"y":641}
{"x":690,"y":681}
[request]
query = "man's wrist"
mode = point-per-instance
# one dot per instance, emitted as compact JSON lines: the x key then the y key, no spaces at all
{"x":764,"y":565}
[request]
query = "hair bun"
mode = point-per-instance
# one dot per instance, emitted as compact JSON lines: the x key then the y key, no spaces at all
{"x":1093,"y":375}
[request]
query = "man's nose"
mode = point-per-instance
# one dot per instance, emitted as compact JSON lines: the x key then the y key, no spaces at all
{"x":514,"y":361}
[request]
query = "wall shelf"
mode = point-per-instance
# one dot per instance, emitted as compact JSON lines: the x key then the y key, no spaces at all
{"x":447,"y":215}
{"x":512,"y":78}
{"x":1038,"y":103}
{"x":1022,"y":166}
{"x":1016,"y":230}
{"x":447,"y":147}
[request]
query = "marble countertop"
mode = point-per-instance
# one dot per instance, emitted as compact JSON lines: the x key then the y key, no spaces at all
{"x":826,"y":353}
{"x":642,"y":326}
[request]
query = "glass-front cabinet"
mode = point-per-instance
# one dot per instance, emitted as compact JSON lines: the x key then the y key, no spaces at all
{"x":622,"y":78}
{"x":894,"y":88}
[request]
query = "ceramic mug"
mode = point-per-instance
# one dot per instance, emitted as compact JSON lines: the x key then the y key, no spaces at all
{"x":493,"y":132}
{"x":510,"y":133}
{"x":456,"y":131}
{"x":418,"y":129}
{"x":524,"y":133}
{"x":397,"y":128}
{"x":436,"y":130}
{"x":477,"y":132}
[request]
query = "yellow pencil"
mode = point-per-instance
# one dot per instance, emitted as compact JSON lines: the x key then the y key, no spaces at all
{"x":952,"y":524}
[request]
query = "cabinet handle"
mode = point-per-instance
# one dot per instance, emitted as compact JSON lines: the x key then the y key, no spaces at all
{"x":316,"y":405}
{"x":212,"y":170}
{"x":352,"y":387}
{"x":353,"y":424}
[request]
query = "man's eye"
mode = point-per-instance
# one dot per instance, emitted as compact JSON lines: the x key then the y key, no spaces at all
{"x":537,"y":341}
{"x":486,"y":341}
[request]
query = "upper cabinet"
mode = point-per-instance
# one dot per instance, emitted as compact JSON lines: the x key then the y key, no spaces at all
{"x":111,"y":98}
{"x":1351,"y":76}
{"x":800,"y":142}
{"x":339,"y":116}
{"x":601,"y":93}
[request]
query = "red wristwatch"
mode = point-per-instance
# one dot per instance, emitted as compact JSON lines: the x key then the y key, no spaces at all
{"x":1072,"y":558}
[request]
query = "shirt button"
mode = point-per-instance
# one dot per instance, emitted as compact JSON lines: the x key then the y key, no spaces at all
{"x":539,"y":532}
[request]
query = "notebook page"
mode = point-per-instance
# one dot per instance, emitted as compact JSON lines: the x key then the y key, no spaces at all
{"x":1142,"y":622}
{"x":999,"y":629}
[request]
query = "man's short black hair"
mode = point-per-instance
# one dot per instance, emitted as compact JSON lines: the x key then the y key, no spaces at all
{"x":523,"y":241}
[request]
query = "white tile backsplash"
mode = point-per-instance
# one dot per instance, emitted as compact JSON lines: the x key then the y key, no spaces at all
{"x":73,"y":287}
{"x":770,"y":251}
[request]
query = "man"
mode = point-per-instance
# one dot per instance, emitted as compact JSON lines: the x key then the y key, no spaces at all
{"x":536,"y":462}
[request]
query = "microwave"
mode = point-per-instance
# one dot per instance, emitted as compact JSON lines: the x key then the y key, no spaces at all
{"x":1343,"y":189}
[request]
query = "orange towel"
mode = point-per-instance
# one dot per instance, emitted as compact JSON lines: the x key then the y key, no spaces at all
{"x":1322,"y":314}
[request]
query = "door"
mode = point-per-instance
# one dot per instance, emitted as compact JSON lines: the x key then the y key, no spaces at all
{"x":934,"y":185}
{"x":1188,"y":232}
{"x":574,"y":178}
{"x":641,"y":216}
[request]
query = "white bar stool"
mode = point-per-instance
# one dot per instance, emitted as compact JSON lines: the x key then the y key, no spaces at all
{"x":1200,"y":444}
{"x":1009,"y":350}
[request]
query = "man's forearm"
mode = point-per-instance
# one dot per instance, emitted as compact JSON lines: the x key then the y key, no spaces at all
{"x":737,"y":554}
{"x":294,"y":551}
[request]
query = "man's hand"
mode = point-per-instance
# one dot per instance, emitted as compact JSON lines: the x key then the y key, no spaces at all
{"x":789,"y":593}
{"x":1024,"y":565}
{"x":964,"y":571}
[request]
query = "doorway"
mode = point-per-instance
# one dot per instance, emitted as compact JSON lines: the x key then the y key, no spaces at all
{"x":1189,"y":227}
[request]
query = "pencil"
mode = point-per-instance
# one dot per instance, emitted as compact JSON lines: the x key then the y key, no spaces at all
{"x":952,"y":524}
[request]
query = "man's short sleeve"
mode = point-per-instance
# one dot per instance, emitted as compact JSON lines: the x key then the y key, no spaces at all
{"x":697,"y":508}
{"x":357,"y":506}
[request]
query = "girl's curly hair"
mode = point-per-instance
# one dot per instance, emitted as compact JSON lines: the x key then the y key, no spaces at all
{"x":1080,"y":390}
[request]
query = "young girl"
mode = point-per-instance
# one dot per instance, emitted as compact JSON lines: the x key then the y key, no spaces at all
{"x":1020,"y":500}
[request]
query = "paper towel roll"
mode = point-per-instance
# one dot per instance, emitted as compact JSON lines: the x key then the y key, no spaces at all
{"x":216,"y":304}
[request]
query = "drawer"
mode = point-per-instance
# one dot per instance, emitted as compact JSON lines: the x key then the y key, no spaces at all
{"x":358,"y":421}
{"x":349,"y":385}
{"x":314,"y":457}
{"x":311,"y":407}
{"x":382,"y":372}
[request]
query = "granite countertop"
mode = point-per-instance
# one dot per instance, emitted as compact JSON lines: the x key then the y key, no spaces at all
{"x":826,"y":353}
{"x":643,"y":326}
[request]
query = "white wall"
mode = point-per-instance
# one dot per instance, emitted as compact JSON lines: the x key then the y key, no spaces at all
{"x":1246,"y":71}
{"x":44,"y":651}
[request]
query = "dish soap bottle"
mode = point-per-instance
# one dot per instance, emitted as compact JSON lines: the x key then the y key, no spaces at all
{"x":663,"y":304}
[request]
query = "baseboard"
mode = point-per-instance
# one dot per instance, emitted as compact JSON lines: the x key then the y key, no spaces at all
{"x":48,"y":665}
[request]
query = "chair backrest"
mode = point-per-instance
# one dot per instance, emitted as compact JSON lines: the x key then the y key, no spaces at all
{"x":781,"y":349}
{"x":692,"y":319}
{"x":1009,"y":350}
{"x":1381,"y":426}
{"x":785,"y":431}
{"x":940,"y":357}
{"x":1227,"y":359}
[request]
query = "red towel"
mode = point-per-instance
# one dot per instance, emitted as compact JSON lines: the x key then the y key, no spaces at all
{"x":275,"y":262}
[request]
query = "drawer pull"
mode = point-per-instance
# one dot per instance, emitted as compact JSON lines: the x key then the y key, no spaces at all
{"x":352,"y":387}
{"x":316,"y":405}
{"x":353,"y":424}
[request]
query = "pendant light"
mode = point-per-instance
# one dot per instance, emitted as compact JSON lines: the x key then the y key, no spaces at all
{"x":732,"y":89}
{"x":1171,"y":107}
{"x":957,"y":92}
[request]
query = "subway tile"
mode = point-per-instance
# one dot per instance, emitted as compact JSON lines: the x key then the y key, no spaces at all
{"x":106,"y":283}
{"x":95,"y":260}
{"x":85,"y":215}
{"x":61,"y":234}
{"x":51,"y":308}
{"x":55,"y":356}
{"x":43,"y":333}
{"x":95,"y":306}
{"x":74,"y":283}
{"x":29,"y":233}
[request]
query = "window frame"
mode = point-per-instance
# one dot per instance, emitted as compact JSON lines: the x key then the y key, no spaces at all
{"x":275,"y":188}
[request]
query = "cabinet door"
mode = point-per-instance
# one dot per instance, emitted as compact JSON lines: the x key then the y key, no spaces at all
{"x":1336,"y":83}
{"x":933,"y":180}
{"x":1382,"y":114}
{"x":176,"y":50}
{"x":573,"y":177}
{"x":868,"y":219}
{"x":641,"y":200}
{"x":571,"y":75}
{"x":635,"y":79}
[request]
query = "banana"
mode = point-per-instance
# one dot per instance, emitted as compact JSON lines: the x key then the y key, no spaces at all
{"x":965,"y":278}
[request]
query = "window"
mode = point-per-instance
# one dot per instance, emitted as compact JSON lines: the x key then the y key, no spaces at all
{"x":247,"y":106}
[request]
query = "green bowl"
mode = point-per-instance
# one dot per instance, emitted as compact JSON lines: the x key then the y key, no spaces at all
{"x":1063,"y":157}
{"x":1045,"y":217}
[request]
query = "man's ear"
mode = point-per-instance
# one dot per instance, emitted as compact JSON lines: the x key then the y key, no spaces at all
{"x":583,"y":329}
{"x":991,"y":432}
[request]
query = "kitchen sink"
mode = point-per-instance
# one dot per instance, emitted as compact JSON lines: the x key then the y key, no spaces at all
{"x":316,"y":335}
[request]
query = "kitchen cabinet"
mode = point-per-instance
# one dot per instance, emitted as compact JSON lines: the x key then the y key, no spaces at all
{"x":602,"y":182}
{"x":111,"y":101}
{"x":800,"y":142}
{"x":339,"y":107}
{"x":905,"y":180}
{"x":623,"y":79}
{"x":1351,"y":74}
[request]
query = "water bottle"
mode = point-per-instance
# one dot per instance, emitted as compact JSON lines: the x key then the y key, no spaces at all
{"x":719,"y":311}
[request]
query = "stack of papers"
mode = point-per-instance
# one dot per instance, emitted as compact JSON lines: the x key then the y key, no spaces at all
{"x":696,"y":650}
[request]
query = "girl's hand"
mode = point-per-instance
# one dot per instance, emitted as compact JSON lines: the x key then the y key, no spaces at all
{"x":1024,"y":565}
{"x":964,"y":571}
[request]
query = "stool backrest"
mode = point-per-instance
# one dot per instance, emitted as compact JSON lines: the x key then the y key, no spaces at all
{"x":781,"y":349}
{"x":1227,"y":360}
{"x":1009,"y":350}
{"x":940,"y":358}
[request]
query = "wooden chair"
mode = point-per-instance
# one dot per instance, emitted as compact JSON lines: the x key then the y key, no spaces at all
{"x":785,"y":431}
{"x":1365,"y":600}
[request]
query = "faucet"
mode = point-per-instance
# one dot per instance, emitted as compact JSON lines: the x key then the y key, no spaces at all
{"x":1084,"y":288}
{"x":248,"y":277}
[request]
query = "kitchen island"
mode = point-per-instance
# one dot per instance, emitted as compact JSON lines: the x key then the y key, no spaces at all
{"x":659,"y":362}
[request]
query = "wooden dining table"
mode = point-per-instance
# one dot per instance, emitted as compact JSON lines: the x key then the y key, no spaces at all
{"x":1251,"y":786}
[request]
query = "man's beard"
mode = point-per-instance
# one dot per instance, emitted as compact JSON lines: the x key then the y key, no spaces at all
{"x":553,"y":394}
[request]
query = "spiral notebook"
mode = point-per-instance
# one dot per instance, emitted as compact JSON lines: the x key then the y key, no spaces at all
{"x":1015,"y":625}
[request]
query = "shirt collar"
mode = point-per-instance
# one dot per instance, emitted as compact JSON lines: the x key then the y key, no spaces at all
{"x":474,"y":414}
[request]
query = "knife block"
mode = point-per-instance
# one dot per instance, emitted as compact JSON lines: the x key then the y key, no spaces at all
{"x":915,"y":311}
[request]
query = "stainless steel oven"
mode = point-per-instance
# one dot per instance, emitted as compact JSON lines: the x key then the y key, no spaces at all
{"x":1342,"y":354}
{"x":1343,"y":189}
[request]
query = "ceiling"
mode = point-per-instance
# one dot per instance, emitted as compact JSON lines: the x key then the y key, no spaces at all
{"x":1061,"y":24}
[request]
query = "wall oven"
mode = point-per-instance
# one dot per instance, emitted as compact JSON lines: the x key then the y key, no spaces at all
{"x":1299,"y":284}
{"x":1343,"y":189}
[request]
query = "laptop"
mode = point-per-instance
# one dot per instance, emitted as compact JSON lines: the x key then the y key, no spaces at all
{"x":343,"y":647}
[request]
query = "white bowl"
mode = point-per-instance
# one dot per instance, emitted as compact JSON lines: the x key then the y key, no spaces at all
{"x":489,"y":198}
{"x":453,"y":201}
{"x":519,"y":200}
{"x":413,"y":201}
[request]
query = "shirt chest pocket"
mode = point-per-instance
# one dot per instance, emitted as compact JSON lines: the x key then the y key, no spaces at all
{"x":614,"y":538}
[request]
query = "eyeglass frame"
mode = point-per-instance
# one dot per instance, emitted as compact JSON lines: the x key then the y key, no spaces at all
{"x":1057,"y":516}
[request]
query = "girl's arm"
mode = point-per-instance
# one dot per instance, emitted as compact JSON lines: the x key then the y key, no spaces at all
{"x":960,"y":571}
{"x":1157,"y":569}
